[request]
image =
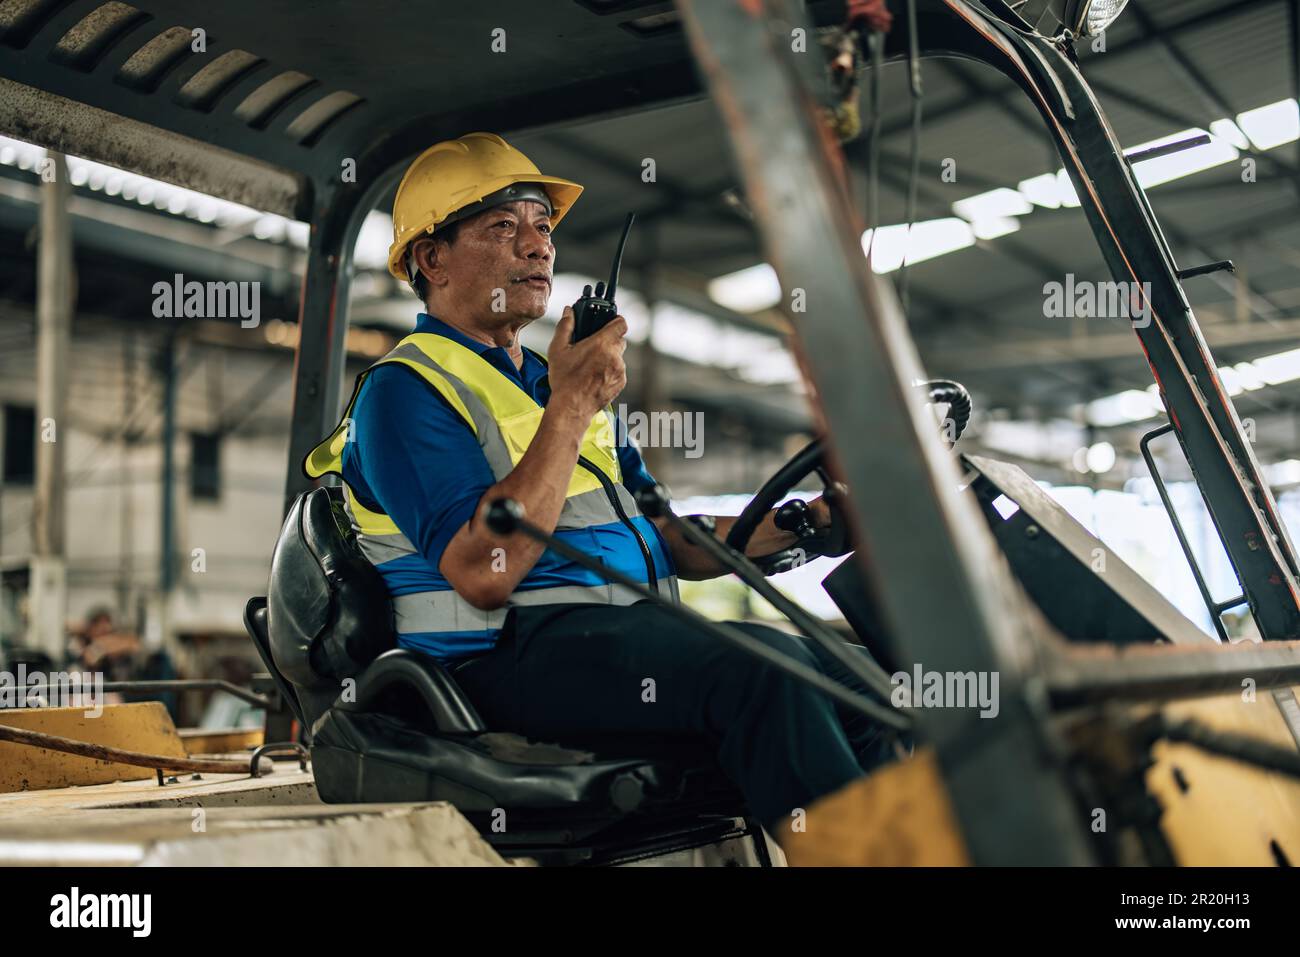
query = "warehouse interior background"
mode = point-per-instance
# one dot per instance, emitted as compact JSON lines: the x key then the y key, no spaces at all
{"x":172,"y":546}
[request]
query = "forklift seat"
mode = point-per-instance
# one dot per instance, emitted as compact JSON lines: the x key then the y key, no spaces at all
{"x":388,"y":725}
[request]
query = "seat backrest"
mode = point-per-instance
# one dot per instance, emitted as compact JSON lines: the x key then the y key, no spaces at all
{"x":255,"y":622}
{"x":328,"y":610}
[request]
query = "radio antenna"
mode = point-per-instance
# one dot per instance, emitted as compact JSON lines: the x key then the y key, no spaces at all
{"x":618,"y":258}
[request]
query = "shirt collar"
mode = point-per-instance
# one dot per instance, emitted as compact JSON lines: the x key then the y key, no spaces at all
{"x":432,"y":324}
{"x":532,"y":370}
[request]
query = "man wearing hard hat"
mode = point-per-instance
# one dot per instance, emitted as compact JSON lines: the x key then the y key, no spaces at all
{"x":460,"y":414}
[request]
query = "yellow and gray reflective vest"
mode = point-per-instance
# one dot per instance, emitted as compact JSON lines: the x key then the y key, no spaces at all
{"x":599,"y":515}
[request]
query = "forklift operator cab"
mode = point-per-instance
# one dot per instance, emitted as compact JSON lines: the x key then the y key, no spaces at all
{"x":389,"y":725}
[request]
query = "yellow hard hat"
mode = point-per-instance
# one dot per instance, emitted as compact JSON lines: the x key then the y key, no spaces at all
{"x":456,"y":174}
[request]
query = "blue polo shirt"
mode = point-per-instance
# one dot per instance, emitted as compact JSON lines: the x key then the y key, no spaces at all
{"x":429,"y":474}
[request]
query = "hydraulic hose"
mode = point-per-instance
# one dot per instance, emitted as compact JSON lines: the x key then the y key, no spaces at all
{"x":957,"y":399}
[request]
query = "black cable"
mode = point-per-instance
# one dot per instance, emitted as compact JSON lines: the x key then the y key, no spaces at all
{"x":652,"y":575}
{"x":699,"y":532}
{"x":914,"y":85}
{"x":506,"y":516}
{"x":876,"y":45}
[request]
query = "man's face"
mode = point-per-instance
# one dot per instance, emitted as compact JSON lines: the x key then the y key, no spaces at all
{"x":501,"y":263}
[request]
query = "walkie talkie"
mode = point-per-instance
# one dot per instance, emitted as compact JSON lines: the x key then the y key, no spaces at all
{"x":595,"y":309}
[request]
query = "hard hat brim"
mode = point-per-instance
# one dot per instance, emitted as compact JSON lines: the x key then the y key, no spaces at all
{"x":563,"y":194}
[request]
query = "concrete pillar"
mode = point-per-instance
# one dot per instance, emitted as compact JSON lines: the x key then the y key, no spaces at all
{"x":48,"y":595}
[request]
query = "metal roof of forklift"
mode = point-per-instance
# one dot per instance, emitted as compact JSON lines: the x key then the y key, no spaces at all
{"x":254,"y":101}
{"x":976,"y":314}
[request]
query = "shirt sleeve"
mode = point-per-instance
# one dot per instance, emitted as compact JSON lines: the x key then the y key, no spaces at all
{"x":416,"y":458}
{"x":635,"y":475}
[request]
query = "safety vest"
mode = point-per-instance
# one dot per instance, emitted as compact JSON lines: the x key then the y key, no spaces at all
{"x":505,"y":419}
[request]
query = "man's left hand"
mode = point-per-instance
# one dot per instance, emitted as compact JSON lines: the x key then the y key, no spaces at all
{"x":827,"y":512}
{"x":821,"y":512}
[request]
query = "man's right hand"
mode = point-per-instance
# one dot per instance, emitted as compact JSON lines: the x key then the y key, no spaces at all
{"x":586,"y":376}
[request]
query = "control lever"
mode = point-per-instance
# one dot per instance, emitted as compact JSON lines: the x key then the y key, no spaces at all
{"x":505,"y":516}
{"x":699,"y":531}
{"x":795,"y":516}
{"x":595,"y":309}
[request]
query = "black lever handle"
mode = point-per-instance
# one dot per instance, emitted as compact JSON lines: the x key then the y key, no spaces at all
{"x":699,"y":531}
{"x":505,"y":515}
{"x":795,"y":516}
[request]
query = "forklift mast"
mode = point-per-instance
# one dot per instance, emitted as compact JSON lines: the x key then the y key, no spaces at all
{"x":945,"y":596}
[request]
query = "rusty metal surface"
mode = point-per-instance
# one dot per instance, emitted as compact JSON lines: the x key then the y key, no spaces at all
{"x":141,"y":726}
{"x":111,"y":755}
{"x":946,"y":595}
{"x":1124,"y":225}
{"x":1087,"y":674}
{"x":56,"y":123}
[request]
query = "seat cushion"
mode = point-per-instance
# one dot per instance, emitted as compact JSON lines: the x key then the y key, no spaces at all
{"x":366,"y":757}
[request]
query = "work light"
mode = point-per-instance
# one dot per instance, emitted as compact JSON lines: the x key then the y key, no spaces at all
{"x":1083,"y":18}
{"x":1090,"y":18}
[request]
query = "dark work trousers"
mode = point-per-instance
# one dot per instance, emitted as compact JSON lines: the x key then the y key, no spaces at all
{"x":570,"y":670}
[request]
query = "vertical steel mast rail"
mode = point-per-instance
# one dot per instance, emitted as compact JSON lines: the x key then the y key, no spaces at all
{"x":945,"y":592}
{"x":1200,"y":411}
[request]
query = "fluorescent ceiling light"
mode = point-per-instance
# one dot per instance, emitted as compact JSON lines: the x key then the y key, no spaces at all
{"x":886,"y":246}
{"x":1280,"y":367}
{"x":1248,"y":376}
{"x":703,"y":340}
{"x":747,"y":290}
{"x":1272,"y":125}
{"x":994,"y":227}
{"x":1065,"y":188}
{"x":1283,"y":473}
{"x":688,"y":334}
{"x":1123,"y":408}
{"x":1133,"y":406}
{"x":1231,"y":381}
{"x":1230,"y":132}
{"x":1164,"y":169}
{"x":999,"y":202}
{"x":992,"y":214}
{"x":1042,"y":191}
{"x":1243,"y":377}
{"x":924,"y":240}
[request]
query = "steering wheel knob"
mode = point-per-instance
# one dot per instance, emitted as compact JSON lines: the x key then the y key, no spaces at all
{"x":795,"y":516}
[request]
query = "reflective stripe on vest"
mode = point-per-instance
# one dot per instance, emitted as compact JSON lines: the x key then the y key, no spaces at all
{"x":504,"y":419}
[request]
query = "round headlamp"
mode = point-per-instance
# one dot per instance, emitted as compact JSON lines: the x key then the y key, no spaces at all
{"x":1097,"y":15}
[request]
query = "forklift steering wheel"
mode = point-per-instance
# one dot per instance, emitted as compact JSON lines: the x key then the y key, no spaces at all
{"x":793,"y":516}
